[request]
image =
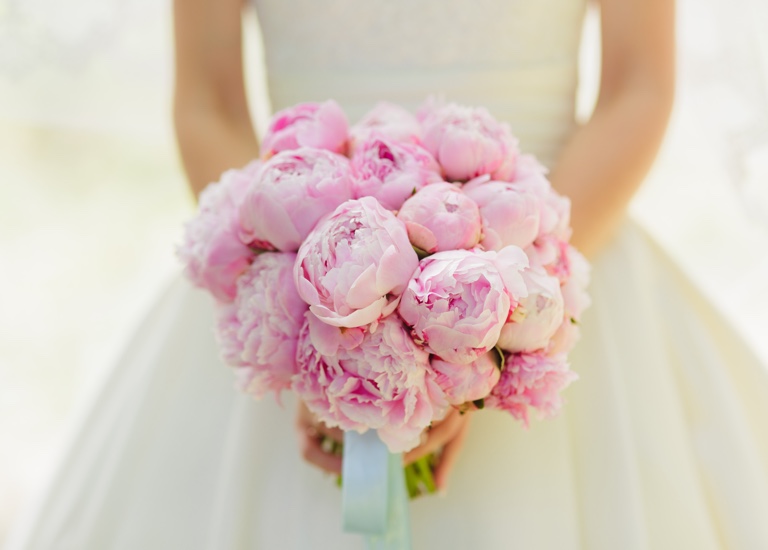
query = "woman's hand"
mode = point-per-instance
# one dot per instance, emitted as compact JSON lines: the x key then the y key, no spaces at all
{"x":311,"y":433}
{"x":445,"y":437}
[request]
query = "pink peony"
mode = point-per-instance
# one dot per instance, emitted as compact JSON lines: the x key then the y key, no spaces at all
{"x":575,"y":288}
{"x":386,"y":120}
{"x":537,"y":317}
{"x":530,"y":172}
{"x":457,"y":301}
{"x":383,"y":383}
{"x":391,"y":171}
{"x":551,"y":253}
{"x":353,"y":267}
{"x":257,"y":333}
{"x":565,"y":337}
{"x":510,"y":212}
{"x":213,"y":255}
{"x":555,"y":208}
{"x":466,"y":383}
{"x":294,"y":190}
{"x":531,"y":381}
{"x":317,"y":125}
{"x":555,"y":215}
{"x":441,"y":217}
{"x":468,"y":142}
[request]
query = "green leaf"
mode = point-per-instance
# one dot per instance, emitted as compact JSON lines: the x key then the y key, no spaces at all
{"x":479,"y":403}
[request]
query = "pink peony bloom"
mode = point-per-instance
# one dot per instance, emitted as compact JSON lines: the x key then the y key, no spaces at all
{"x":391,"y":171}
{"x":555,"y":215}
{"x":294,"y":190}
{"x":258,"y":332}
{"x":384,"y":383}
{"x":213,"y":255}
{"x":468,"y":142}
{"x":530,"y":172}
{"x":441,"y":217}
{"x":537,"y":317}
{"x":457,"y":301}
{"x":353,"y":267}
{"x":565,"y":337}
{"x":386,"y":120}
{"x":550,"y":253}
{"x":531,"y":381}
{"x":466,"y":383}
{"x":511,"y":212}
{"x":575,"y":288}
{"x":317,"y":125}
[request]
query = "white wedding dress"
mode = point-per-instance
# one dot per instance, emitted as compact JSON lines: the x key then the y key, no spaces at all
{"x":663,"y":442}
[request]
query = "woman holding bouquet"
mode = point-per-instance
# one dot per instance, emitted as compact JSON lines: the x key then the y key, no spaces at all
{"x":659,"y":445}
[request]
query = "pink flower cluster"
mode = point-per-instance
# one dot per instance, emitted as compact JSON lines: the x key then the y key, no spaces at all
{"x":393,"y":269}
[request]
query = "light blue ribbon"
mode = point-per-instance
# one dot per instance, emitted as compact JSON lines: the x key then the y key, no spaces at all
{"x":374,"y":498}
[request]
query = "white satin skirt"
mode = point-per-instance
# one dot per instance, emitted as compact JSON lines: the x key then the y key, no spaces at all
{"x":662,"y":444}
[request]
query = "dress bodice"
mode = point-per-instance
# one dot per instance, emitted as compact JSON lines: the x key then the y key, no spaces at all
{"x":517,"y":58}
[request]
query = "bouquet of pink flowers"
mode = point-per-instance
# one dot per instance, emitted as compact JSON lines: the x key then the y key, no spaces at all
{"x":389,"y":271}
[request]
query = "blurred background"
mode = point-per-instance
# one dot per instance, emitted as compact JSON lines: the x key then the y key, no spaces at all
{"x":92,"y":197}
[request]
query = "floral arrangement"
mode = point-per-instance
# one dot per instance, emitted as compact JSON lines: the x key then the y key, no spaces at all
{"x":390,"y":270}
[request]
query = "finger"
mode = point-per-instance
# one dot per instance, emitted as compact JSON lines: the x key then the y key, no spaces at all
{"x":313,"y":452}
{"x":306,"y":421}
{"x":438,"y":436}
{"x":449,"y":455}
{"x":333,"y":433}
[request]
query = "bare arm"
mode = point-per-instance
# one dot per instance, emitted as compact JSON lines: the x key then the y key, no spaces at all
{"x":606,"y":160}
{"x":211,"y":117}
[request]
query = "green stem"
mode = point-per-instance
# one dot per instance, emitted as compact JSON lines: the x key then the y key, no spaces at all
{"x":423,"y":468}
{"x":411,"y":481}
{"x":419,"y":478}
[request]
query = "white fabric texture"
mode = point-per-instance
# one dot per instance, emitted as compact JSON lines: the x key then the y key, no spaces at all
{"x":661,"y":444}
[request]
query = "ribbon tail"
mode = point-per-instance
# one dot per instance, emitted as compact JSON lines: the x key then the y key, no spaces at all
{"x":374,"y":497}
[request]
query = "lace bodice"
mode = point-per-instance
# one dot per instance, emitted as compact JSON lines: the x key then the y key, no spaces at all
{"x":518,"y":58}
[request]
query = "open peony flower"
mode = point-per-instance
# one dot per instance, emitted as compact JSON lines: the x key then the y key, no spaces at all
{"x":391,"y":171}
{"x":510,"y":212}
{"x":468,"y":142}
{"x":466,"y":383}
{"x":318,"y":125}
{"x":537,"y":317}
{"x":441,"y":217}
{"x":386,"y":120}
{"x":213,"y":255}
{"x":353,"y":267}
{"x":293,"y":191}
{"x":382,"y":383}
{"x":531,"y":381}
{"x":258,"y":331}
{"x":457,"y":301}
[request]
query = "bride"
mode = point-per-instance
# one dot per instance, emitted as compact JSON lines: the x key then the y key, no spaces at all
{"x":660,"y":445}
